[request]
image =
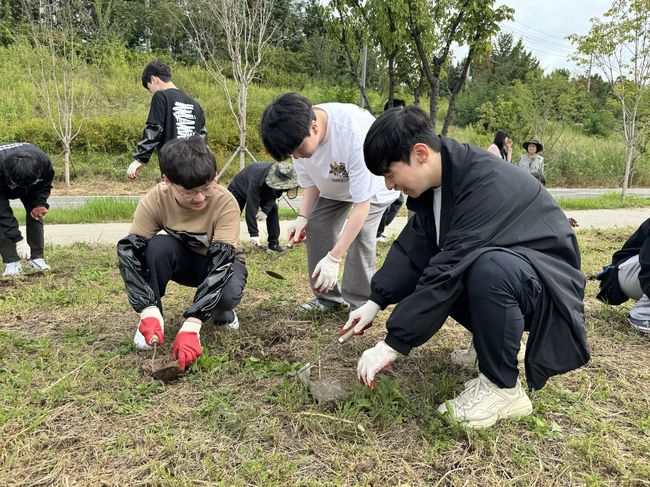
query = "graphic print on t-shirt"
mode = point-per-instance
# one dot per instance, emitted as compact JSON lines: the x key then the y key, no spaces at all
{"x":339,"y":171}
{"x":185,"y":119}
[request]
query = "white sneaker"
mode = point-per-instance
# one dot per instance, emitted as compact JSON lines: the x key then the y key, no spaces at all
{"x":234,"y":324}
{"x":13,"y":269}
{"x":483,"y":403}
{"x":38,"y":265}
{"x":467,"y":357}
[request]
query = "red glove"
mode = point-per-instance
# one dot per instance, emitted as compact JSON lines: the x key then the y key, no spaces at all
{"x":187,"y":345}
{"x":39,"y":212}
{"x":152,"y":324}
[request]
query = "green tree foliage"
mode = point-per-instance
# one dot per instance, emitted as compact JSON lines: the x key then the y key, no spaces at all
{"x":620,"y":46}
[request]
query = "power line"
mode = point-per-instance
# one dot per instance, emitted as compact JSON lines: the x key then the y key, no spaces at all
{"x":541,"y":41}
{"x":538,"y":30}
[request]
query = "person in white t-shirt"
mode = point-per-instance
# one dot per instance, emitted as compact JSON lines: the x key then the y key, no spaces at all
{"x":326,"y":143}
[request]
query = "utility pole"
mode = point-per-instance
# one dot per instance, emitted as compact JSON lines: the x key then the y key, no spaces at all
{"x":591,"y":59}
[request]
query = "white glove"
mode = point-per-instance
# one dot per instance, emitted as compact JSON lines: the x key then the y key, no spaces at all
{"x":255,"y":241}
{"x":373,"y":361}
{"x":361,"y":318}
{"x":297,"y":230}
{"x":23,"y":250}
{"x":133,"y":169}
{"x":327,"y":271}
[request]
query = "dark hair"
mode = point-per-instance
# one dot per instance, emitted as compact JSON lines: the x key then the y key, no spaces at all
{"x":397,"y":103}
{"x":187,"y":162}
{"x":285,"y":124}
{"x":500,"y":140}
{"x":156,"y":68}
{"x":392,"y":137}
{"x":22,"y":168}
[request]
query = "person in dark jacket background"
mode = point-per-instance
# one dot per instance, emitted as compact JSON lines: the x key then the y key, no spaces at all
{"x":628,"y":277}
{"x":498,"y":261}
{"x":257,"y":186}
{"x":172,"y":115}
{"x":200,"y":249}
{"x":26,"y":173}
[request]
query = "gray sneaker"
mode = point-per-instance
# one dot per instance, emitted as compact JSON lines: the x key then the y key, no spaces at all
{"x":13,"y":269}
{"x":317,"y":306}
{"x":38,"y":265}
{"x":641,"y":325}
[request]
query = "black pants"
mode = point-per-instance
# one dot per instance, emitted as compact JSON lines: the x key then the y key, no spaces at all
{"x":35,"y":238}
{"x":389,"y":214}
{"x":502,"y":292}
{"x":170,"y":260}
{"x":272,"y":221}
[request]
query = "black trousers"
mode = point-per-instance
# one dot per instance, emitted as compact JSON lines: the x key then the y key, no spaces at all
{"x":35,"y":238}
{"x":389,"y":214}
{"x":170,"y":260}
{"x":502,"y":292}
{"x":272,"y":221}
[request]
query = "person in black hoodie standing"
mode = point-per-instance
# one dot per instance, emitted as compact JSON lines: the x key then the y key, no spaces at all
{"x":498,"y":261}
{"x":26,"y":173}
{"x":172,"y":115}
{"x":628,"y":277}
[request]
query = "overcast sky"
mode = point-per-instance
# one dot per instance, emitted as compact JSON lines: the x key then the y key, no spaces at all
{"x":543,"y":25}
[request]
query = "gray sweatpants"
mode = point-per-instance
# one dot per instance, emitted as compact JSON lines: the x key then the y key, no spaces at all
{"x":628,"y":279}
{"x":325,"y":223}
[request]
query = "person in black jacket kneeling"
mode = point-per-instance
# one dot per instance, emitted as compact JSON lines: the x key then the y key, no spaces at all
{"x":499,"y":261}
{"x":628,"y":277}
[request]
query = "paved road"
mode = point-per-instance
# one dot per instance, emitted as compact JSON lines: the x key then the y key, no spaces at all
{"x":112,"y":232}
{"x":76,"y":201}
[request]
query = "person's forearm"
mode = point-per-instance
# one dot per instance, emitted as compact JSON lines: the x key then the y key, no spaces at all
{"x":309,"y":197}
{"x":356,"y":219}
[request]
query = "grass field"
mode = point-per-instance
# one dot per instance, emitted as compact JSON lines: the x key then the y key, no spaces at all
{"x":78,"y":408}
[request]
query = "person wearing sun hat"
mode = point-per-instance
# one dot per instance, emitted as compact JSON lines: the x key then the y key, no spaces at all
{"x":258,"y":186}
{"x":532,"y":162}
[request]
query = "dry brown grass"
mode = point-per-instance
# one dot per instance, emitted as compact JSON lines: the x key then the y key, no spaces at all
{"x":76,"y":407}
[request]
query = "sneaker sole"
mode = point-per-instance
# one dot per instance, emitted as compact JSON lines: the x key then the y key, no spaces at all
{"x":520,"y":408}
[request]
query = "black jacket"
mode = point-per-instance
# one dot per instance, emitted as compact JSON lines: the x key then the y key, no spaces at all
{"x":33,"y":196}
{"x":637,"y":244}
{"x":486,"y":205}
{"x":172,"y":114}
{"x":249,"y":185}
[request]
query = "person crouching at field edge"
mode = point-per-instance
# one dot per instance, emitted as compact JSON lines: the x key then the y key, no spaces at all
{"x":499,"y":262}
{"x":26,"y":173}
{"x":201,"y":249}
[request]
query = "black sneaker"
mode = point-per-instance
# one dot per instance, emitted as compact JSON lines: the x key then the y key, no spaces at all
{"x":275,"y":248}
{"x":641,"y":325}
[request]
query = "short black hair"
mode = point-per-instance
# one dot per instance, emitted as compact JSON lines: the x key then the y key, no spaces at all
{"x":22,"y":168}
{"x":397,"y":103}
{"x":285,"y":124}
{"x":188,"y":162}
{"x":392,"y":137}
{"x":156,"y":68}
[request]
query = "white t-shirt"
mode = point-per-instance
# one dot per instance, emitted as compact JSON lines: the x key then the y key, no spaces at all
{"x":337,"y":167}
{"x":437,"y":206}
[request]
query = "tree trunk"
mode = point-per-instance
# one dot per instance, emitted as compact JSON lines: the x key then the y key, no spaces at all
{"x":243,"y":99}
{"x":391,"y":81}
{"x":628,"y":165}
{"x":455,"y":91}
{"x":66,"y":162}
{"x":433,"y":101}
